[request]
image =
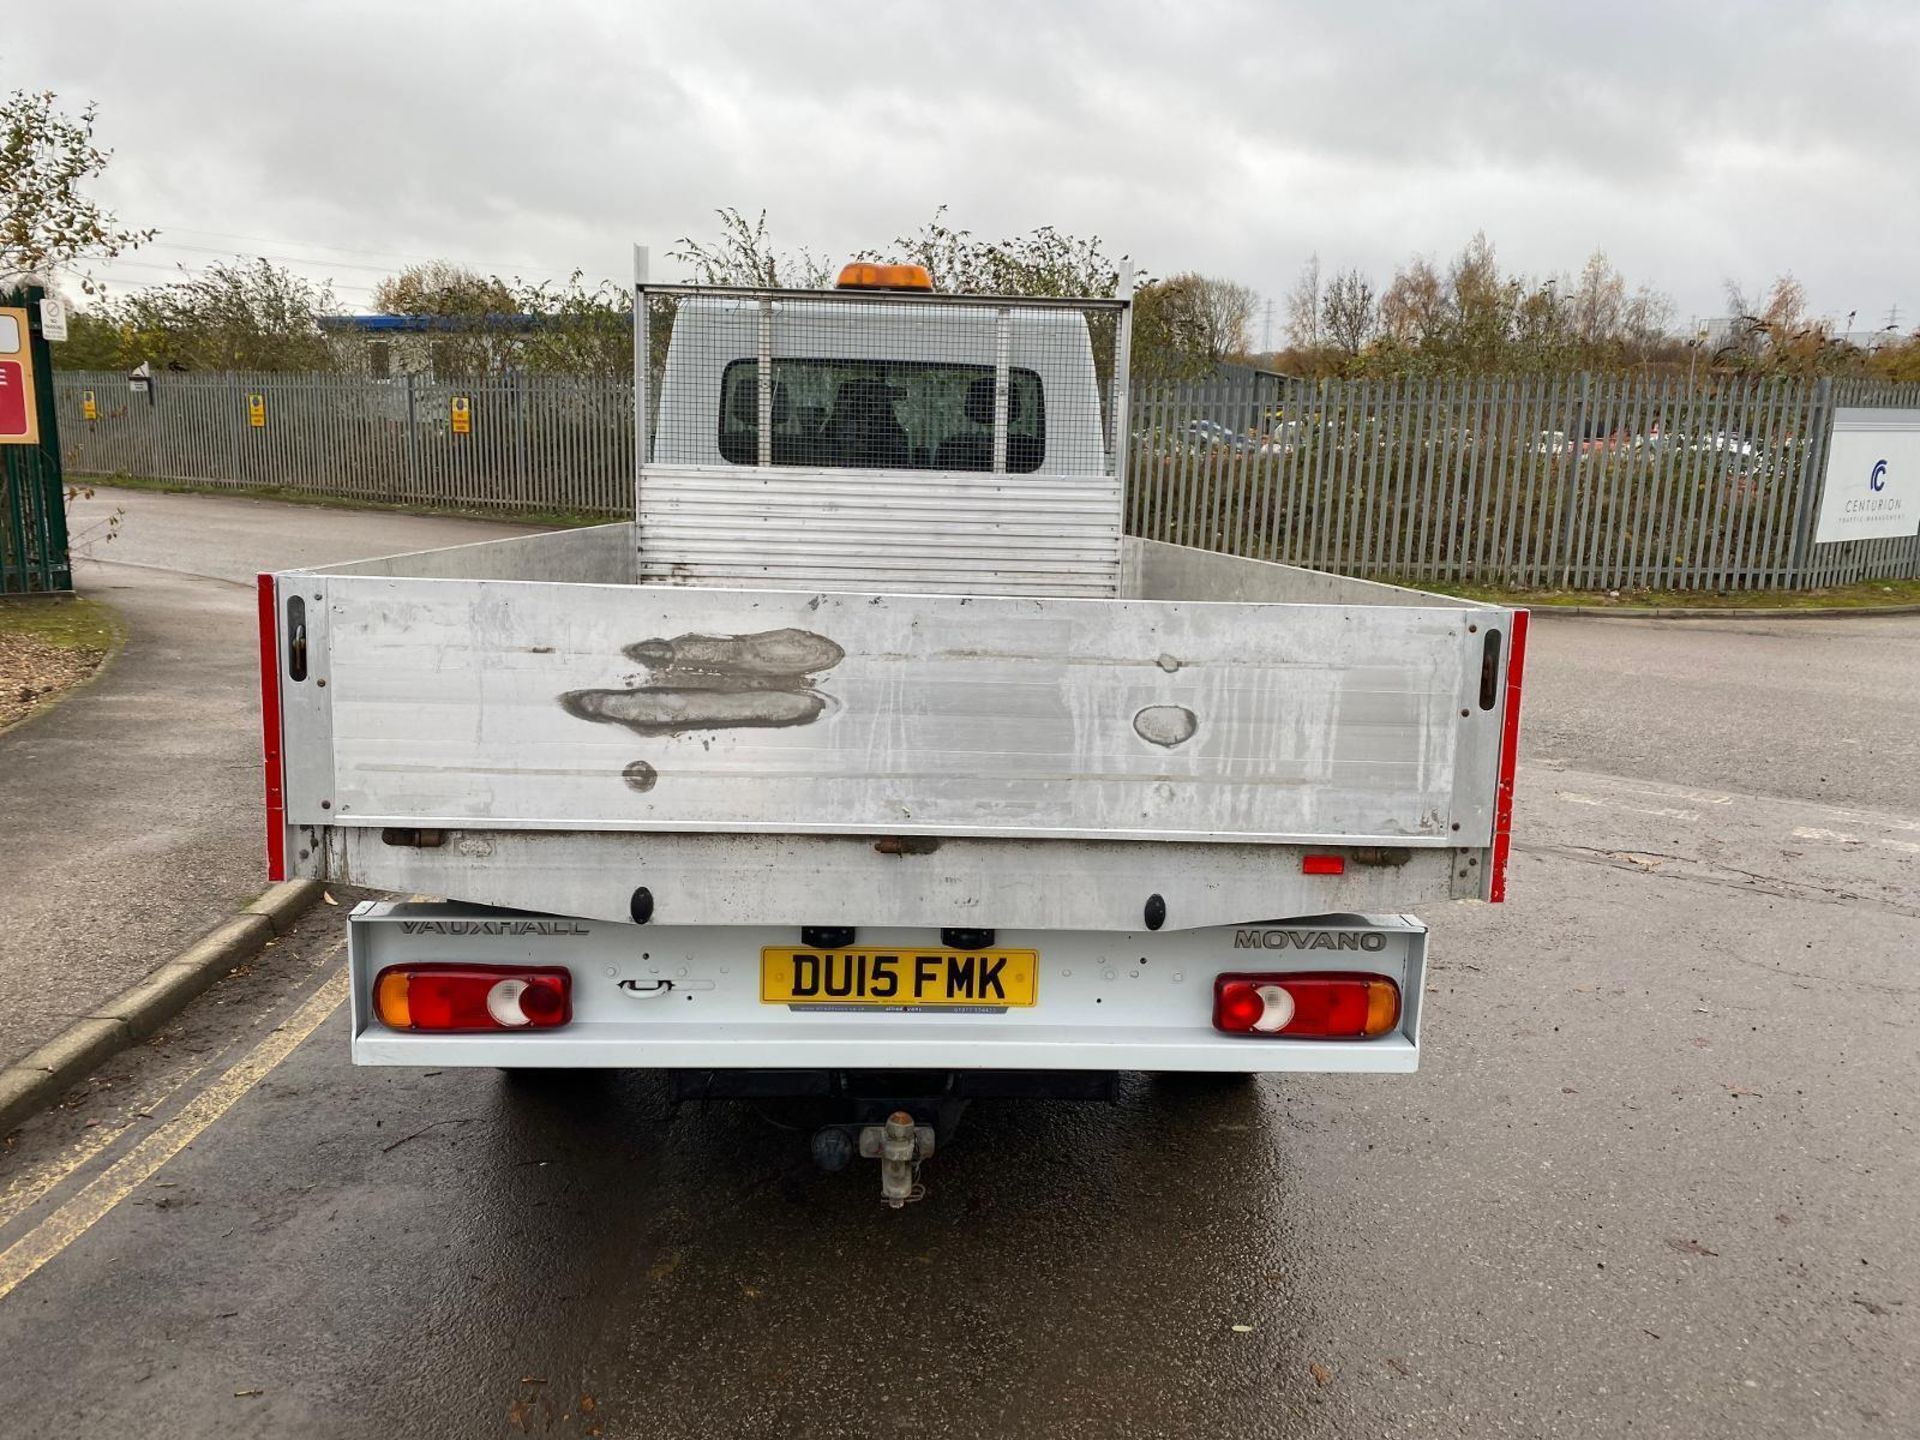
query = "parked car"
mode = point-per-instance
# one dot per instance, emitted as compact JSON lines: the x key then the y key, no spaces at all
{"x":1212,"y":432}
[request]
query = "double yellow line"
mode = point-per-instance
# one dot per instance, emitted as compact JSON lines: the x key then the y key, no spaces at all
{"x":98,"y":1197}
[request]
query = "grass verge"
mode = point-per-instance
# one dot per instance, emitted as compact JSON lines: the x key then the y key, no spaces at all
{"x":48,"y":645}
{"x":1866,"y":595}
{"x":559,"y":519}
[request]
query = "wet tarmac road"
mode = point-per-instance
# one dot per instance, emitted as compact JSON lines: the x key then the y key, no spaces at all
{"x":1657,"y":1176}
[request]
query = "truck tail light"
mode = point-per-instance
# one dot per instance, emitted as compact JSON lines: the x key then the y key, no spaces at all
{"x":473,"y":997}
{"x":1315,"y":1006}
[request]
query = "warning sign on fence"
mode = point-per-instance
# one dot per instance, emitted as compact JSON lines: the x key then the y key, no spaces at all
{"x":462,"y":415}
{"x":257,"y":411}
{"x":19,"y":415}
{"x":88,"y":409}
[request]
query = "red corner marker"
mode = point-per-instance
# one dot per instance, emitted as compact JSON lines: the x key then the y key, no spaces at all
{"x":1509,"y":757}
{"x":270,"y":732}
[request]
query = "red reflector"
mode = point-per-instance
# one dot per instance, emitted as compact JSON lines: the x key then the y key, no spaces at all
{"x":1323,"y":864}
{"x":473,"y":997}
{"x":1337,"y":1006}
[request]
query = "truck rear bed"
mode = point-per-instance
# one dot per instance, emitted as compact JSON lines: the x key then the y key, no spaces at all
{"x":521,"y":723}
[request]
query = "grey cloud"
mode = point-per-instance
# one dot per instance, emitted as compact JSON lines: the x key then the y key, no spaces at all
{"x":1692,"y":141}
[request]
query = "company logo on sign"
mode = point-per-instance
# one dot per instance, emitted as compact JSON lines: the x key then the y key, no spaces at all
{"x":1870,"y":488}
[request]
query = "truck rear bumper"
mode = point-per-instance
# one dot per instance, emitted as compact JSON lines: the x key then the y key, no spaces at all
{"x":685,"y":998}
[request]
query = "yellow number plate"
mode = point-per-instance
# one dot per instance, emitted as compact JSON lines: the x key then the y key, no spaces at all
{"x":892,"y":979}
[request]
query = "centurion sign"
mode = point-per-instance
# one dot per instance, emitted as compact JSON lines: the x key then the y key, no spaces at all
{"x":1871,"y":490}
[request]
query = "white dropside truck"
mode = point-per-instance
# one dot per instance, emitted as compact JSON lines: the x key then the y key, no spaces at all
{"x":873,"y":762}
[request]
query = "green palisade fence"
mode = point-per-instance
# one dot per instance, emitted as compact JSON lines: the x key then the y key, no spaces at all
{"x":1589,"y":482}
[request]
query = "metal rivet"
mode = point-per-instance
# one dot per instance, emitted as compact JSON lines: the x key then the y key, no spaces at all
{"x":326,"y":804}
{"x":612,"y":970}
{"x":323,"y":685}
{"x":1456,"y":824}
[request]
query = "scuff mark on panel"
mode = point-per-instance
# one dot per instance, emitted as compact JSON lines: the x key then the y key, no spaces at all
{"x":769,"y":655}
{"x":716,"y":682}
{"x":1167,"y":725}
{"x":665,"y":710}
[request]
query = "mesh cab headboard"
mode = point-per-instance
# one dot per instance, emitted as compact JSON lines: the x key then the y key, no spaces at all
{"x":861,"y":439}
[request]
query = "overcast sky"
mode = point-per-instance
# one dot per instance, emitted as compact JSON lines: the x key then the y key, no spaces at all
{"x":1693,"y":142}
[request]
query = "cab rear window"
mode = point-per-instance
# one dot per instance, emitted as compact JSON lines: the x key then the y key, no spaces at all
{"x":882,"y":415}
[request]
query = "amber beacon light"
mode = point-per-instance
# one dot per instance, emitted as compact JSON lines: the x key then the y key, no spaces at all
{"x":861,"y":275}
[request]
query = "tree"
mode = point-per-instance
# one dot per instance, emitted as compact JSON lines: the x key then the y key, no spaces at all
{"x":240,"y":316}
{"x":46,"y":222}
{"x":1481,"y":306}
{"x":745,"y":256}
{"x":1303,"y":307}
{"x":440,"y":287}
{"x":1413,"y":308}
{"x":1348,"y":313}
{"x":1598,"y":302}
{"x":1041,"y":262}
{"x":1190,"y":323}
{"x":577,"y":331}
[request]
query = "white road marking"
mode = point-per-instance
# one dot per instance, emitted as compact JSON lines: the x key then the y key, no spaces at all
{"x":1815,"y":832}
{"x":1574,"y":797}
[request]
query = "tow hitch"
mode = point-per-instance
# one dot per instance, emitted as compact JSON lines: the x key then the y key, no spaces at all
{"x":899,"y":1146}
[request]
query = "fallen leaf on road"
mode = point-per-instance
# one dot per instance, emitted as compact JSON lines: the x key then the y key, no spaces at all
{"x":1243,"y":1329}
{"x":327,"y":895}
{"x":1321,"y":1374}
